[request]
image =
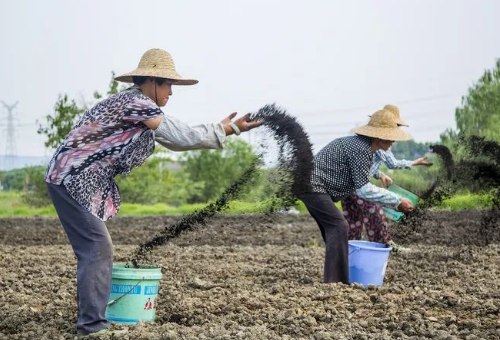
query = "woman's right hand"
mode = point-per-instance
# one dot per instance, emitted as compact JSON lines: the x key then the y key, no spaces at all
{"x":405,"y":205}
{"x":421,"y":161}
{"x":241,"y":123}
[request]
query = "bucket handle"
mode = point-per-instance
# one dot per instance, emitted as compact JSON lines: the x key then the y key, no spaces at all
{"x":112,"y":302}
{"x":355,"y":249}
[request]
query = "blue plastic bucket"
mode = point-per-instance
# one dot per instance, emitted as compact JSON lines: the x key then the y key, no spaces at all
{"x":367,"y":262}
{"x":134,"y":294}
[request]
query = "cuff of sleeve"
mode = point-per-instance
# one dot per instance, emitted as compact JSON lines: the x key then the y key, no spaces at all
{"x":220,"y":133}
{"x":396,"y":205}
{"x":397,"y":200}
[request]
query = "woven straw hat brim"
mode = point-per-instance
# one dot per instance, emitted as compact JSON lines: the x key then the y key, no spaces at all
{"x":401,"y":122}
{"x":386,"y":133}
{"x":158,"y":73}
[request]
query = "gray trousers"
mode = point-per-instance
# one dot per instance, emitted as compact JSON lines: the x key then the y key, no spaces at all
{"x":334,"y":230}
{"x":92,"y":245}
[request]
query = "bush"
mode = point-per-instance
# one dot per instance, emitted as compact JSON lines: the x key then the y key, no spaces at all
{"x":35,"y":193}
{"x":154,"y":183}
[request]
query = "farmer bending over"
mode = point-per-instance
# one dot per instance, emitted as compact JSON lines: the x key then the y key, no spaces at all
{"x":341,"y":169}
{"x":111,"y":138}
{"x":359,"y":212}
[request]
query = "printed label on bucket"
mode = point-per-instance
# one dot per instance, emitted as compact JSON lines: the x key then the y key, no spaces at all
{"x":151,"y":305}
{"x":150,"y":290}
{"x":125,"y":289}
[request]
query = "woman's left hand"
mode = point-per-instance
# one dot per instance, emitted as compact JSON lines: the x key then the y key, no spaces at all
{"x":386,"y":180}
{"x":242,"y":124}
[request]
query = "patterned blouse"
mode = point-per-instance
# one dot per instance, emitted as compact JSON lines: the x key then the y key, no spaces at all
{"x":342,"y":166}
{"x":109,"y":139}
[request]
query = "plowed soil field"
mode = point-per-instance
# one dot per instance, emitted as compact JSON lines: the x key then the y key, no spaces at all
{"x":260,"y":277}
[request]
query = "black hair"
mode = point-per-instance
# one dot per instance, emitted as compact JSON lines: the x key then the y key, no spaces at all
{"x":139,"y":80}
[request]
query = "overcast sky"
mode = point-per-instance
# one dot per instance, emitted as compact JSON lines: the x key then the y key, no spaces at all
{"x":330,"y":63}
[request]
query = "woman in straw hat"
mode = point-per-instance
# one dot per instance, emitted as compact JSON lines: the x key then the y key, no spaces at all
{"x":342,"y":168}
{"x":111,"y":138}
{"x":358,"y":211}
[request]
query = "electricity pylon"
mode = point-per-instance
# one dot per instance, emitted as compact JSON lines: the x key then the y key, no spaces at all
{"x":10,"y":146}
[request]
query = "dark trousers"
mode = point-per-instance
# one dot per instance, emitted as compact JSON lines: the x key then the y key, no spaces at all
{"x":334,"y":230}
{"x":92,"y":245}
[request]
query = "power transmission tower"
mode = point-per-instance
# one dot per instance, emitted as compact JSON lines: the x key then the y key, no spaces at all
{"x":10,"y":146}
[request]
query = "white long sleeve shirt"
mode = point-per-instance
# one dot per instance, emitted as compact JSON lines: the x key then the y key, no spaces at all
{"x":178,"y":136}
{"x":388,"y":158}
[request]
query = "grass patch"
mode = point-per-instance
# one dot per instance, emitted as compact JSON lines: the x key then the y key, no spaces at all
{"x":467,"y":202}
{"x":131,"y":209}
{"x":11,"y":205}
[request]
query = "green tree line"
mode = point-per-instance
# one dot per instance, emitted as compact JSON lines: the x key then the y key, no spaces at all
{"x":479,"y":113}
{"x":190,"y":177}
{"x":200,"y":176}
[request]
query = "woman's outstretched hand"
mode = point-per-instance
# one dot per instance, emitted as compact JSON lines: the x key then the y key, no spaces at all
{"x":240,"y":125}
{"x":422,"y":161}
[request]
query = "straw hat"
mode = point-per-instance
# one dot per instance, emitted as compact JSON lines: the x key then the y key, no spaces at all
{"x":382,"y":125}
{"x":395,"y":112}
{"x":156,"y":63}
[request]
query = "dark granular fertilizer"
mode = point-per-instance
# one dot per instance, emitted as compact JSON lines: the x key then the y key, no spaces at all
{"x":489,"y":149}
{"x":295,"y":158}
{"x":295,"y":162}
{"x":197,"y":218}
{"x":485,"y":176}
{"x":479,"y":173}
{"x":432,"y":197}
{"x":446,"y":157}
{"x":476,"y":175}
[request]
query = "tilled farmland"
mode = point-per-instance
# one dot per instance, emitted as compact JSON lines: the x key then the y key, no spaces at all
{"x":260,"y":277}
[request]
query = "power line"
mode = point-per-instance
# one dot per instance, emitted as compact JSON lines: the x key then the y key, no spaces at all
{"x":405,"y":115}
{"x":425,"y":99}
{"x":334,"y":124}
{"x":428,"y":114}
{"x":336,"y":134}
{"x":399,"y":102}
